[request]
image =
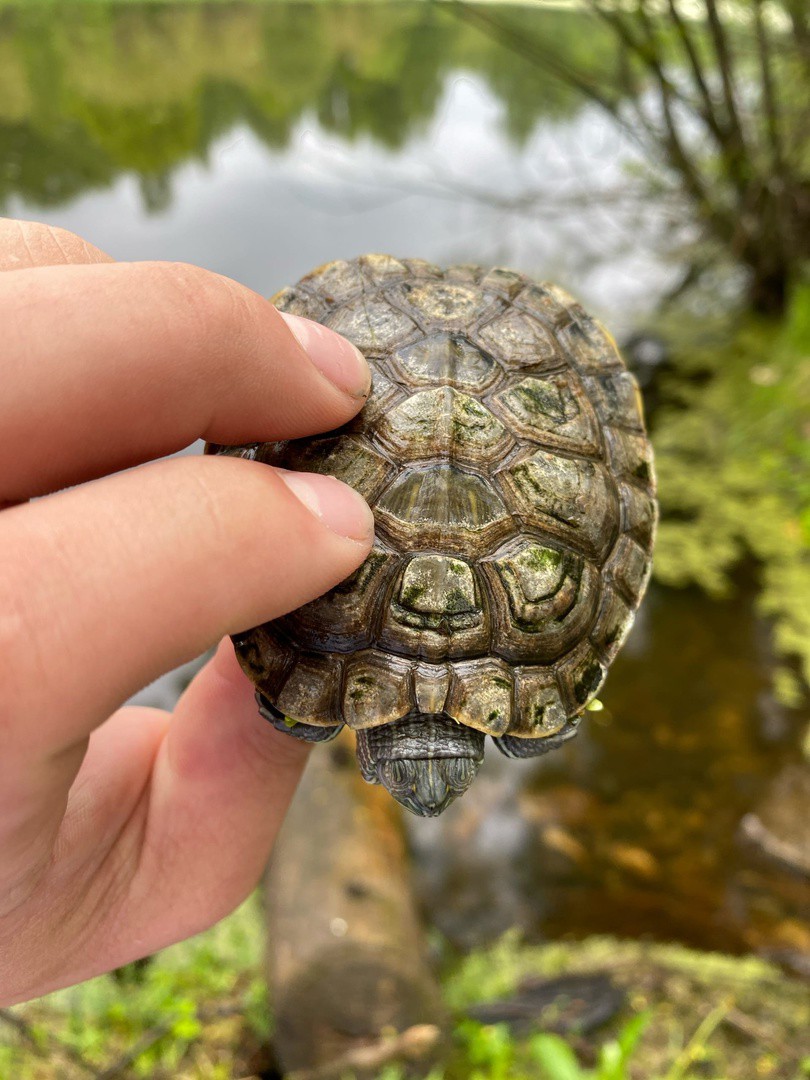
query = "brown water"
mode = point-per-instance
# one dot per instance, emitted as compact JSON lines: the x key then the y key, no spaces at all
{"x":633,"y":827}
{"x":262,"y":140}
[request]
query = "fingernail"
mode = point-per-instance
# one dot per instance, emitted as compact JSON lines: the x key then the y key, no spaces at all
{"x":335,"y":357}
{"x":337,"y":505}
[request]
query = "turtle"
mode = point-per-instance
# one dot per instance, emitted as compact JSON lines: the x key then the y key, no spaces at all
{"x":503,"y":452}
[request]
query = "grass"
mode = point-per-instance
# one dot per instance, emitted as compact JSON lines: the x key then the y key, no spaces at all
{"x":198,"y":1011}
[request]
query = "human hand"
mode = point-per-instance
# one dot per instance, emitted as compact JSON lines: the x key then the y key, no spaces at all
{"x":125,"y":829}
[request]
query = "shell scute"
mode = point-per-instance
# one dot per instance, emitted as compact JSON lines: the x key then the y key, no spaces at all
{"x":310,"y":691}
{"x":348,"y":457}
{"x":629,"y":566}
{"x":382,"y":268}
{"x":443,"y":506}
{"x":372,"y":324}
{"x":431,"y":684}
{"x":447,"y":359}
{"x":581,"y":674}
{"x":437,"y":610}
{"x":591,"y":347}
{"x":264,"y":655}
{"x":518,"y":340}
{"x":630,"y":456}
{"x":345,"y":616}
{"x":480,"y":695}
{"x":444,"y":422}
{"x":539,"y":710}
{"x":505,"y":282}
{"x":543,"y":600}
{"x":613,"y":624}
{"x":298,"y":302}
{"x":639,"y":514}
{"x":570,"y":498}
{"x":448,"y":304}
{"x":543,"y":303}
{"x":377,"y":690}
{"x":617,"y":399}
{"x":383,"y":396}
{"x":335,"y":282}
{"x":553,"y":410}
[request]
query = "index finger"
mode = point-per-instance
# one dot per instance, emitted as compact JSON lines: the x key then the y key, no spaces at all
{"x":109,"y":365}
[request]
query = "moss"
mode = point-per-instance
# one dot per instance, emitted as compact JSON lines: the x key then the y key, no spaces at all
{"x":537,"y":397}
{"x":411,"y":593}
{"x":541,"y":559}
{"x":360,"y":687}
{"x":587,"y":682}
{"x":456,"y":601}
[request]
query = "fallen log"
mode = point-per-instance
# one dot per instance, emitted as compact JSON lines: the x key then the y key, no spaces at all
{"x":346,"y":958}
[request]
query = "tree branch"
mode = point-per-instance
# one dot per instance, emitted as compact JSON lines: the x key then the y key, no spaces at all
{"x":522,"y":46}
{"x":768,"y":94}
{"x":707,"y":112}
{"x":726,"y":68}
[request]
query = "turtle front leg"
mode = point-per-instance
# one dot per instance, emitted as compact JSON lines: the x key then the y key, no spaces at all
{"x":298,"y":730}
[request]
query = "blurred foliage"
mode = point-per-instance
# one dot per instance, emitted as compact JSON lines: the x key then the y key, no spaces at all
{"x":733,"y":454}
{"x":197,"y":1011}
{"x":688,"y":1011}
{"x":182,"y":1014}
{"x":493,"y":1054}
{"x":90,"y":91}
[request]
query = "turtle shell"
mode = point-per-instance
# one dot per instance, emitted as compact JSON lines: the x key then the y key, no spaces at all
{"x":503,"y":453}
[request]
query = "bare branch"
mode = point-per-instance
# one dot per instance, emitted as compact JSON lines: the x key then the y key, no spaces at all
{"x":645,"y":49}
{"x":768,"y":94}
{"x":533,"y":51}
{"x":726,"y":68}
{"x":708,"y":110}
{"x":680,"y":157}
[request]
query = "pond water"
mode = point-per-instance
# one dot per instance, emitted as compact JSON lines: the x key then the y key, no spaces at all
{"x":261,"y":140}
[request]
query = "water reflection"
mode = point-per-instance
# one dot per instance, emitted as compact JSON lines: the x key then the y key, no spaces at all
{"x":459,"y":191}
{"x":261,"y":140}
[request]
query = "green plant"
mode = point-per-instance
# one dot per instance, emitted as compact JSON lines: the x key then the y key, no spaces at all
{"x":557,"y":1061}
{"x":492,"y":1053}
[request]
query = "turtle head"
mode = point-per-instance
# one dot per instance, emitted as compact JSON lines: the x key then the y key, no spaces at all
{"x":425,"y":760}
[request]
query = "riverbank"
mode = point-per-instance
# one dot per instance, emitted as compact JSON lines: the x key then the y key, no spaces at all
{"x":198,"y":1011}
